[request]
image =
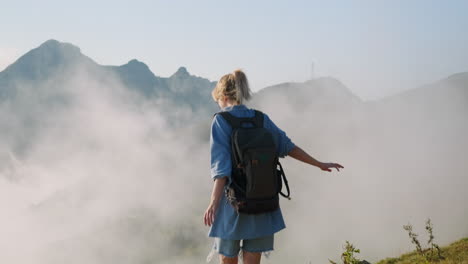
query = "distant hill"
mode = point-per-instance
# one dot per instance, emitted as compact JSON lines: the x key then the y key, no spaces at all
{"x":438,"y":108}
{"x":314,"y":98}
{"x":325,"y":92}
{"x":449,"y":92}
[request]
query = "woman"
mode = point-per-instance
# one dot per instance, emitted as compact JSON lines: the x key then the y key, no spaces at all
{"x":236,"y":233}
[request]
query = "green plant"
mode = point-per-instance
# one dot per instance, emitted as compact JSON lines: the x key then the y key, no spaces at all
{"x":348,"y":255}
{"x":433,"y":252}
{"x":414,"y":237}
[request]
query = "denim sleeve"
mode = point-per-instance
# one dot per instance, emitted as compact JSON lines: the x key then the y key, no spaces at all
{"x":284,"y":143}
{"x":220,"y":148}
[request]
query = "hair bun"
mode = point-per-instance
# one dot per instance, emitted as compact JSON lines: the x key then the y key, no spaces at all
{"x":234,"y":86}
{"x":242,"y":85}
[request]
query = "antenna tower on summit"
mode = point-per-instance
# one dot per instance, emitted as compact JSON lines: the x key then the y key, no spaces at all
{"x":312,"y":69}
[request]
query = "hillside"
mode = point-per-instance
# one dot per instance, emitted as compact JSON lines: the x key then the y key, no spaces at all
{"x":455,"y":253}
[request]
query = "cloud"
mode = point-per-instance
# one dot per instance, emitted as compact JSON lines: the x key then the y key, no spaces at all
{"x":403,"y":162}
{"x":97,"y":164}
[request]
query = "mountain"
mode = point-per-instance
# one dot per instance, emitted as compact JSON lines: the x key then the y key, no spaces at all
{"x":57,"y":60}
{"x":46,"y":82}
{"x":43,"y":72}
{"x":320,"y":108}
{"x":321,"y":94}
{"x":438,"y":106}
{"x":38,"y":82}
{"x":454,"y":87}
{"x":53,"y":63}
{"x":50,"y":58}
{"x":137,"y":75}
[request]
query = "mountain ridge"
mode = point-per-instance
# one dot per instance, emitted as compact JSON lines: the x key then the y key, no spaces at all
{"x":59,"y":51}
{"x":53,"y":58}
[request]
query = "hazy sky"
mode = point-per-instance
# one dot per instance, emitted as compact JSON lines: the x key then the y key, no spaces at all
{"x":376,"y":48}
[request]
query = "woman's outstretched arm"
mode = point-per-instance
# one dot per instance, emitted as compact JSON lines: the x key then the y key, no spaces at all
{"x":301,"y":155}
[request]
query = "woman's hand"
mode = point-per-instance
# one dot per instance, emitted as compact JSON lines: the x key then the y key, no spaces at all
{"x":301,"y":155}
{"x":210,"y":213}
{"x":327,"y":166}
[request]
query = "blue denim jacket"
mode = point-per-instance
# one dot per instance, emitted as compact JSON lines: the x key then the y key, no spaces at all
{"x":228,"y":224}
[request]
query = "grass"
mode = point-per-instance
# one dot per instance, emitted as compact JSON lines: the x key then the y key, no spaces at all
{"x":430,"y":253}
{"x":455,"y":253}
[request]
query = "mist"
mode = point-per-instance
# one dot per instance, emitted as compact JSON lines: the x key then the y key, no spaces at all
{"x":404,"y":162}
{"x":100,"y":178}
{"x":92,"y":172}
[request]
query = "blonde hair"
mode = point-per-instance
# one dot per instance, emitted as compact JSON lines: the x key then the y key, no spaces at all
{"x":233,"y":86}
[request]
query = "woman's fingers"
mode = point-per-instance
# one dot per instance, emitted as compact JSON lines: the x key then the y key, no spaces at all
{"x":212,"y":218}
{"x":206,"y":218}
{"x":338,"y":166}
{"x":332,"y":165}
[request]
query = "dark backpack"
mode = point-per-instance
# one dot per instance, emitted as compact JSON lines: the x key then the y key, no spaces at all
{"x":256,"y":172}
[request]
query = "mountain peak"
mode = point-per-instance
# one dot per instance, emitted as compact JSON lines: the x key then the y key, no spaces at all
{"x":326,"y":80}
{"x":181,"y":72}
{"x":136,"y":64}
{"x":43,"y":61}
{"x":53,"y":45}
{"x":51,"y":42}
{"x":457,"y":79}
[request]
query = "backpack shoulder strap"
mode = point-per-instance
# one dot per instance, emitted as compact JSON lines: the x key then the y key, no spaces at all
{"x":236,"y":122}
{"x":258,"y":118}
